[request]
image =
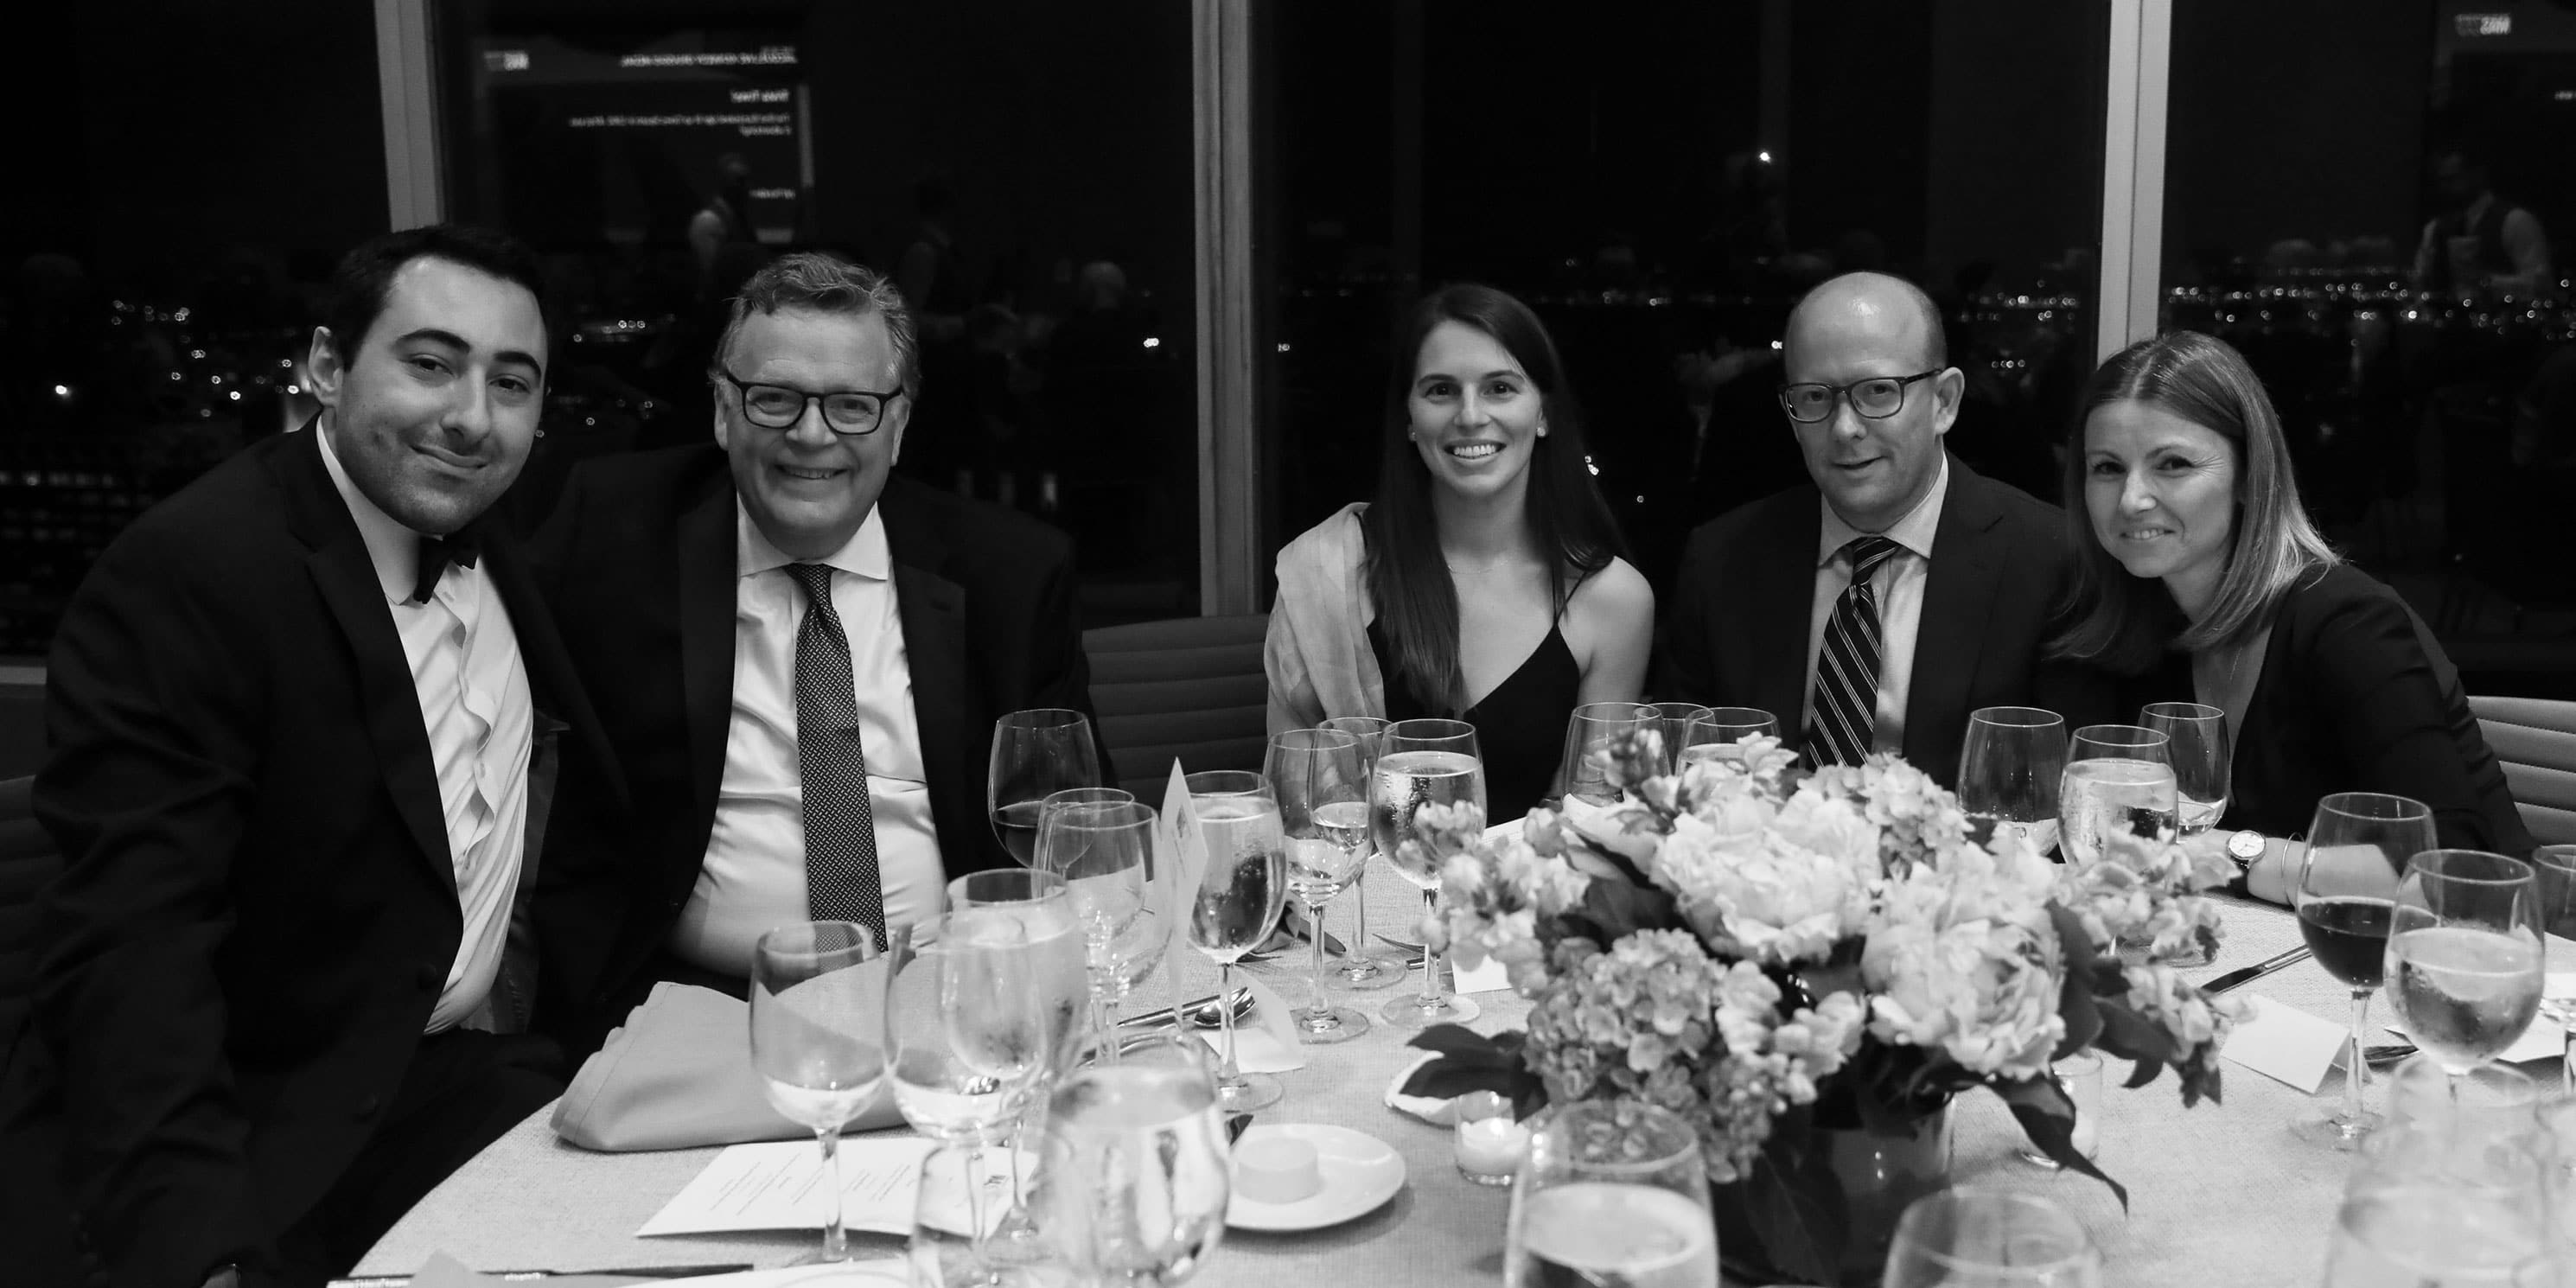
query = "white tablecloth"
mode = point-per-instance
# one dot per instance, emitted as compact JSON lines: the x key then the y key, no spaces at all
{"x":2222,"y":1194}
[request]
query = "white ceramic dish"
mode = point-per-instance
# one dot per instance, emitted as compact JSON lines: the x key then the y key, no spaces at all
{"x":1360,"y":1173}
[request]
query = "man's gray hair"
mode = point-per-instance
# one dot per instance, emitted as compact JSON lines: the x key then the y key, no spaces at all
{"x":820,"y":283}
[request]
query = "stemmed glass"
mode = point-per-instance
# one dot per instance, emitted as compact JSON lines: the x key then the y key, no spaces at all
{"x":1137,"y":1173}
{"x":1672,"y":722}
{"x":2465,"y":955}
{"x":1236,"y":906}
{"x":2198,"y":747}
{"x":1321,"y":784}
{"x":818,"y":1038}
{"x":1365,"y":964}
{"x":2358,"y":848}
{"x":2555,"y":866}
{"x":1104,"y":850}
{"x":1991,"y":1238}
{"x":1035,"y":754}
{"x":1713,"y":736}
{"x":2011,"y":764}
{"x":1042,"y":955}
{"x":1595,"y":727}
{"x":1423,"y":762}
{"x":1612,"y":1192}
{"x":2119,"y":778}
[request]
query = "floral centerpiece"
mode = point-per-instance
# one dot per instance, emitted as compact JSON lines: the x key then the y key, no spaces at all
{"x":1783,"y":956}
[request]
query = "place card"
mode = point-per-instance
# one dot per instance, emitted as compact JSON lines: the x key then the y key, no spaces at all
{"x":1265,"y":1038}
{"x":1488,"y":978}
{"x":779,"y":1185}
{"x":2287,"y":1044}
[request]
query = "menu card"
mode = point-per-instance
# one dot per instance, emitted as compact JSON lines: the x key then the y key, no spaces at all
{"x":779,"y":1185}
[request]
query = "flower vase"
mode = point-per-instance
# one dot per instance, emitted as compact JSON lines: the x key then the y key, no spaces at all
{"x":1880,"y":1175}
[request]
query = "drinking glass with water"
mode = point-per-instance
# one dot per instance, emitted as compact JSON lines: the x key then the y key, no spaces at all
{"x":1613,"y":1192}
{"x":2119,"y":778}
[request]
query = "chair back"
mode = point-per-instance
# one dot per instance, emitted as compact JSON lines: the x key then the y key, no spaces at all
{"x":2535,"y":738}
{"x":27,"y":861}
{"x":1186,"y":688}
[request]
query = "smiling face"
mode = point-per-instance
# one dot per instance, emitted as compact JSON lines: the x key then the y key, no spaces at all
{"x":807,"y":487}
{"x":434,"y":412}
{"x":1871,"y":470}
{"x":1475,"y":416}
{"x":2161,"y":494}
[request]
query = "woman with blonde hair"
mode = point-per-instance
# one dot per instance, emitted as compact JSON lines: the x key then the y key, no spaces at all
{"x":2201,"y":578}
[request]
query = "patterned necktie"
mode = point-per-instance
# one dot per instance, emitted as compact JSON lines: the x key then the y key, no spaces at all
{"x":841,"y":882}
{"x":1847,"y":667}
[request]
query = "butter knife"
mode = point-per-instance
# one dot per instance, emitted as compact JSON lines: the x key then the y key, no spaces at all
{"x":632,"y":1272}
{"x":2244,"y":975}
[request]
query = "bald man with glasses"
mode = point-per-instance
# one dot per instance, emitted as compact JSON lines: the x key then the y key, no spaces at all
{"x":728,"y":603}
{"x":1875,"y":608}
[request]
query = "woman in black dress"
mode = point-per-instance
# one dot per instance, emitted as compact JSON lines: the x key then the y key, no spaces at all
{"x":1485,"y":580}
{"x":2201,"y":578}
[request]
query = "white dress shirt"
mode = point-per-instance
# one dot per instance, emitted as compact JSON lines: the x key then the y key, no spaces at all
{"x":754,"y":874}
{"x":475,"y":706}
{"x":1899,"y":583}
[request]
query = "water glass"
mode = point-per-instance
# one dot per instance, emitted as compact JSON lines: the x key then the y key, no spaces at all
{"x":1026,"y":938}
{"x":818,"y":1037}
{"x":1105,"y":852}
{"x":1612,"y":1192}
{"x":2555,"y":867}
{"x":2358,"y":847}
{"x":1036,"y":754}
{"x":1423,"y":762}
{"x":1236,"y":906}
{"x":1987,"y":1238}
{"x":2198,"y":747}
{"x":1366,"y":963}
{"x":1582,"y":771}
{"x":2119,"y":778}
{"x":1225,"y":782}
{"x":1138,"y":1173}
{"x":1712,"y":737}
{"x":2428,"y":1208}
{"x":1321,"y":783}
{"x":1672,"y":724}
{"x":2011,"y":765}
{"x":2465,"y":955}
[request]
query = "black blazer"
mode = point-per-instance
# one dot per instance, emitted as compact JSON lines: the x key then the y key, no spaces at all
{"x":257,"y":910}
{"x":1736,"y":634}
{"x":638,"y":562}
{"x":2355,"y":695}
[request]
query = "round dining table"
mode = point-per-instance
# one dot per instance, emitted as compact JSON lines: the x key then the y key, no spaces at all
{"x":2221,"y":1194}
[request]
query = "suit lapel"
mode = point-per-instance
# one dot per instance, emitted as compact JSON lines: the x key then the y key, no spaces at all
{"x":707,"y":561}
{"x":1783,"y":595}
{"x":346,"y":578}
{"x":933,"y":609}
{"x":1967,"y":569}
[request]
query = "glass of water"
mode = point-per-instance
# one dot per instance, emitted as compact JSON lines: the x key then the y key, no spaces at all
{"x":1590,"y":732}
{"x":1234,"y":908}
{"x":2198,"y":747}
{"x":1366,"y":962}
{"x":1713,"y":736}
{"x":1991,"y":1238}
{"x":2011,"y":765}
{"x":1423,"y":762}
{"x":818,"y":1037}
{"x":2464,"y":955}
{"x":1612,"y":1192}
{"x":1137,"y":1173}
{"x":2119,"y":778}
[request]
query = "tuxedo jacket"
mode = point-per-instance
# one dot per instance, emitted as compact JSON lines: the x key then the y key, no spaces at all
{"x":258,"y":908}
{"x":1736,"y":634}
{"x":639,"y":563}
{"x":2355,"y":696}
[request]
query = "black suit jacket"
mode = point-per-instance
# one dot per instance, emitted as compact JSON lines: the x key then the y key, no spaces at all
{"x":257,"y":910}
{"x":1736,"y":634}
{"x":638,"y":562}
{"x":2355,"y":696}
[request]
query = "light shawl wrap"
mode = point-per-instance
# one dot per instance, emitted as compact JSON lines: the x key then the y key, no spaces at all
{"x":1317,"y":654}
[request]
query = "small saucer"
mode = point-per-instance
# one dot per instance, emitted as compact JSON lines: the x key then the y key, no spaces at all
{"x":1360,"y":1173}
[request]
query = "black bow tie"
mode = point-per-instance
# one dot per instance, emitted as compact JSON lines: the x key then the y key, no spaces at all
{"x":436,"y":553}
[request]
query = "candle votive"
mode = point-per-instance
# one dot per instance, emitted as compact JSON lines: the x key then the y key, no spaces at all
{"x":1491,"y":1142}
{"x":2081,"y":1075}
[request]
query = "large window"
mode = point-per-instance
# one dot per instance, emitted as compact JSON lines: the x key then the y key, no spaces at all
{"x":2362,"y":198}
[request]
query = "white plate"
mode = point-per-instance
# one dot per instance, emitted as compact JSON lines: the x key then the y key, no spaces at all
{"x":1360,"y":1173}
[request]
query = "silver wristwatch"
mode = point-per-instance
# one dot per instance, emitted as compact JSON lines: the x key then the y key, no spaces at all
{"x":2245,"y":847}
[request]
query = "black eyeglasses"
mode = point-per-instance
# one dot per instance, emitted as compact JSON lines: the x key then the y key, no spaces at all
{"x":845,"y":411}
{"x":1877,"y":397}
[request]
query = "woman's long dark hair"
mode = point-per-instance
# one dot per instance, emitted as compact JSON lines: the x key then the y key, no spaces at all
{"x":1408,"y":581}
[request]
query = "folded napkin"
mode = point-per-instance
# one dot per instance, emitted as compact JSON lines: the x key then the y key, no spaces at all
{"x":677,"y":1076}
{"x":1265,"y":1039}
{"x":1436,"y":1110}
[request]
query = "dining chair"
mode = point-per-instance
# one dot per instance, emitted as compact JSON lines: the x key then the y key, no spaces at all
{"x":1190,"y":688}
{"x":2535,"y":739}
{"x":27,"y":861}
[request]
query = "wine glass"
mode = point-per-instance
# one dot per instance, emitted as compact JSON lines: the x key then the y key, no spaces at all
{"x":1612,"y":1192}
{"x":2011,"y":765}
{"x":2197,"y":746}
{"x":2358,"y":846}
{"x":1321,"y":784}
{"x":1712,"y":737}
{"x":1036,"y":754}
{"x":2555,"y":866}
{"x":953,"y":1224}
{"x":1138,"y":1172}
{"x":1423,"y":762}
{"x":1236,"y":905}
{"x":2119,"y":778}
{"x":1672,"y":722}
{"x":1365,"y":962}
{"x":1104,"y":850}
{"x":1592,"y":730}
{"x":2465,"y":955}
{"x":959,"y":1092}
{"x":1025,"y":938}
{"x":1990,"y":1238}
{"x":818,"y":1037}
{"x":1226,"y":782}
{"x":2430,"y":1206}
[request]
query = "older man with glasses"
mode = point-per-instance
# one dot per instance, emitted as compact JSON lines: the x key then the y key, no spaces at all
{"x":730,"y":603}
{"x":1875,"y":609}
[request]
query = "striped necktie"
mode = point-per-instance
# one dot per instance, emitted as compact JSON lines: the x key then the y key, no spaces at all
{"x":841,"y":879}
{"x":1846,"y":698}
